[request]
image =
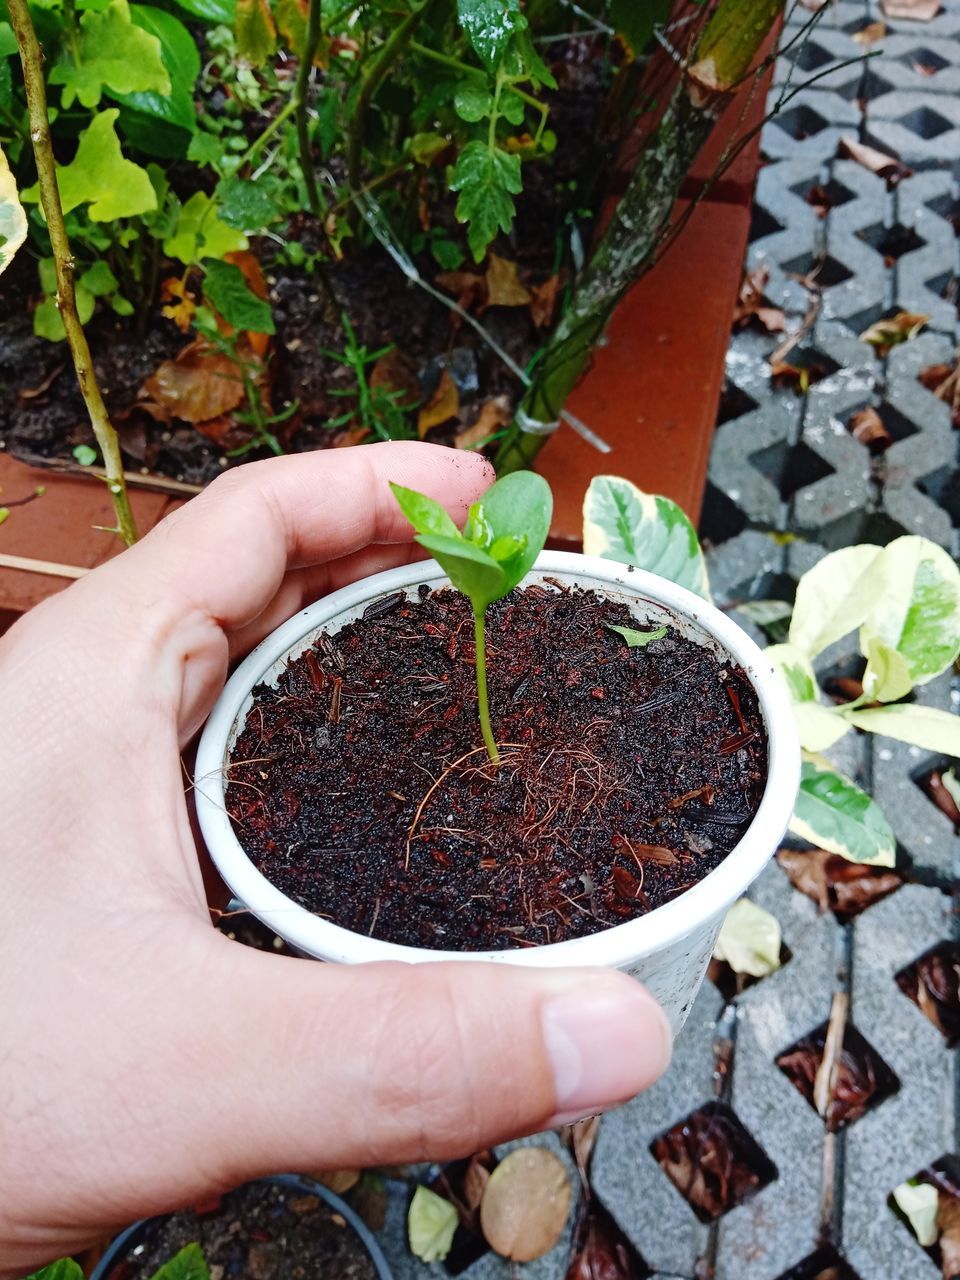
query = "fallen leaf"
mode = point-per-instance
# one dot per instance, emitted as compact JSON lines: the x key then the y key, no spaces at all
{"x":821,"y":200}
{"x":948,"y":1224}
{"x":870,"y":34}
{"x":917,"y":10}
{"x":750,"y":940}
{"x":431,"y":1225}
{"x":198,"y":385}
{"x":338,"y":1180}
{"x":355,"y":435}
{"x":180,"y":304}
{"x":369,"y":1198}
{"x":924,"y":69}
{"x":443,"y":405}
{"x":503,"y":284}
{"x":790,"y":375}
{"x":934,"y":376}
{"x":600,"y":1250}
{"x":223,"y":431}
{"x":581,"y":1138}
{"x":933,"y":983}
{"x":710,"y":1160}
{"x":525,"y":1204}
{"x":495,"y":414}
{"x":396,"y":372}
{"x":944,"y":381}
{"x":466,"y":286}
{"x":836,"y":884}
{"x":751,"y":304}
{"x":475,"y":1180}
{"x":855,"y":1083}
{"x":889,"y":333}
{"x":878,"y":162}
{"x":543,"y":301}
{"x":867,"y":426}
{"x":918,"y":1201}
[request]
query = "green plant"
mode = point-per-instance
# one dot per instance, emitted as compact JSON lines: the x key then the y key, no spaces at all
{"x":382,"y":410}
{"x":503,"y":535}
{"x":903,"y":600}
{"x":188,"y":1264}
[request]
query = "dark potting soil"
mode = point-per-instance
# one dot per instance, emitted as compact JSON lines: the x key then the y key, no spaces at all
{"x":259,"y":1232}
{"x":359,"y":786}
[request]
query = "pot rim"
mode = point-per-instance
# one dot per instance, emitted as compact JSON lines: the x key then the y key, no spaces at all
{"x":120,"y":1244}
{"x":618,"y":945}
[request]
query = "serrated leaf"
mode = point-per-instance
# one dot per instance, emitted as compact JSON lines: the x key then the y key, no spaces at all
{"x":621,"y":522}
{"x":188,"y":1264}
{"x":487,"y":180}
{"x":255,"y":31}
{"x":831,"y":599}
{"x":914,"y":594}
{"x":490,"y":24}
{"x":13,"y":221}
{"x":431,"y":1225}
{"x":835,"y":814}
{"x":887,"y":676}
{"x":199,"y":233}
{"x":750,"y":940}
{"x":919,"y":1201}
{"x":225,"y":287}
{"x":112,"y":54}
{"x":637,"y":639}
{"x":924,"y":727}
{"x":64,"y":1269}
{"x":100,"y":177}
{"x":244,"y":204}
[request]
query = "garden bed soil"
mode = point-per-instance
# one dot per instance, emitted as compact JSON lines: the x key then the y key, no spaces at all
{"x":262,"y":1231}
{"x":358,"y":788}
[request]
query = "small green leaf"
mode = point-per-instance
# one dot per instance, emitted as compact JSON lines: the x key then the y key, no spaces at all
{"x":256,"y":32}
{"x":188,"y":1264}
{"x":98,"y":280}
{"x":836,"y":815}
{"x":637,"y":639}
{"x":887,"y":676}
{"x":47,"y":322}
{"x":473,"y":101}
{"x":520,"y":504}
{"x":65,"y":1269}
{"x":205,"y":148}
{"x":424,"y":514}
{"x":199,"y":233}
{"x":487,"y":179}
{"x":100,"y":177}
{"x":750,"y":940}
{"x":431,"y":1225}
{"x":920,"y":726}
{"x":471,"y":570}
{"x":85,"y":455}
{"x":919,"y":1202}
{"x":4,"y":514}
{"x":225,"y":287}
{"x":831,"y":600}
{"x":794,"y":666}
{"x":490,"y":24}
{"x":112,"y":54}
{"x":244,"y":204}
{"x":621,"y":522}
{"x":8,"y":41}
{"x":13,"y":221}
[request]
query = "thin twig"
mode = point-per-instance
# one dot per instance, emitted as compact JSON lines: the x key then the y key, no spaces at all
{"x":825,"y":1084}
{"x":301,"y":98}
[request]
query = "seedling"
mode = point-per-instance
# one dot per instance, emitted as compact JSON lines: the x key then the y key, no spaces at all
{"x":503,"y":535}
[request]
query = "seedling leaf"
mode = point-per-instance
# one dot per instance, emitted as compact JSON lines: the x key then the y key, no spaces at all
{"x":424,"y":514}
{"x":188,"y":1264}
{"x":63,"y":1269}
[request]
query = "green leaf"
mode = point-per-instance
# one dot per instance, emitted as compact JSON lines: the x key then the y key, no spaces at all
{"x":46,"y":319}
{"x":914,"y":590}
{"x":188,"y":1264}
{"x":431,"y":1225}
{"x":765,"y":613}
{"x":244,"y":204}
{"x":205,"y":148}
{"x":487,"y":179}
{"x":470,"y":569}
{"x":256,"y":32}
{"x":98,"y":280}
{"x":637,"y":639}
{"x":473,"y":101}
{"x":8,"y":41}
{"x":794,"y":666}
{"x":520,"y":504}
{"x":328,"y":120}
{"x":512,"y":107}
{"x":621,"y":522}
{"x":225,"y":287}
{"x":214,"y":12}
{"x":490,"y":24}
{"x":113,"y":54}
{"x":920,"y":726}
{"x":424,"y":514}
{"x":182,"y":62}
{"x":635,"y":22}
{"x":199,"y":233}
{"x":98,"y":175}
{"x":13,"y":221}
{"x":818,"y":727}
{"x":831,"y":600}
{"x":65,"y":1269}
{"x":887,"y":676}
{"x":919,"y":1202}
{"x":836,"y":815}
{"x":446,"y":253}
{"x":750,"y":940}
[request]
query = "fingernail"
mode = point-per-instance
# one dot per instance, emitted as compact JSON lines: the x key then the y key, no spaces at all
{"x":604,"y":1045}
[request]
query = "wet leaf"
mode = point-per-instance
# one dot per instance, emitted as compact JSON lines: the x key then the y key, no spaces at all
{"x":255,"y":31}
{"x":918,"y":1201}
{"x":113,"y":54}
{"x":466,"y":286}
{"x":443,"y":405}
{"x":871,"y":33}
{"x":637,"y":639}
{"x":835,"y":814}
{"x":711,"y":1160}
{"x":836,"y":884}
{"x":884,"y":335}
{"x":866,"y":425}
{"x":525,"y":1204}
{"x":13,"y":221}
{"x":431,"y":1225}
{"x":100,"y":177}
{"x":198,"y":385}
{"x":503,"y":284}
{"x":750,"y":940}
{"x":601,"y":1251}
{"x":878,"y":162}
{"x":226,"y":289}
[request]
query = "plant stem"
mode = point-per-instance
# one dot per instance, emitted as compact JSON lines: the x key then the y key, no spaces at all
{"x":301,"y":96}
{"x":482,"y":702}
{"x":103,"y":429}
{"x":629,"y":244}
{"x":257,"y":145}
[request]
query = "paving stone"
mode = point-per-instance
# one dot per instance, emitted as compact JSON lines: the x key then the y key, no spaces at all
{"x":921,"y":129}
{"x":810,"y":125}
{"x":909,"y":57}
{"x":838,"y":15}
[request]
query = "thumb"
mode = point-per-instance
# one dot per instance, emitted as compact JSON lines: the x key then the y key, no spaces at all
{"x":343,"y":1067}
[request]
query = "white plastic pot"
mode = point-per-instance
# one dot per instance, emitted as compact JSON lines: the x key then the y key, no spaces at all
{"x":669,"y":948}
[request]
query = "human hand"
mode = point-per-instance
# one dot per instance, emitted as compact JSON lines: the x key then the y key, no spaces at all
{"x":147,"y":1062}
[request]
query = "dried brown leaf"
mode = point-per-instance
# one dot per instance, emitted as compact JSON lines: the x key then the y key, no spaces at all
{"x":495,"y":414}
{"x":199,"y":385}
{"x":917,"y":10}
{"x":601,"y":1251}
{"x":834,"y":883}
{"x":752,"y":306}
{"x":525,"y":1204}
{"x":180,"y":305}
{"x":889,"y":333}
{"x":867,"y":426}
{"x":443,"y":405}
{"x":948,"y":1224}
{"x":396,"y":372}
{"x":354,"y":435}
{"x":466,"y":286}
{"x":503,"y":284}
{"x":870,"y":34}
{"x":878,"y":162}
{"x":475,"y":1180}
{"x":543,"y":301}
{"x":338,"y":1180}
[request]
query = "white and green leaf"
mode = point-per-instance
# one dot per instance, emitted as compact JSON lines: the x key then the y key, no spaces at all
{"x":13,"y":221}
{"x":750,"y":940}
{"x":887,"y":676}
{"x":621,"y":522}
{"x":831,"y":600}
{"x":432,"y":1223}
{"x":924,"y":727}
{"x":835,"y":814}
{"x":818,"y":727}
{"x":919,"y":1202}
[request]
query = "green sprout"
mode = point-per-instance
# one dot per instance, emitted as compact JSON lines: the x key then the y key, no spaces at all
{"x":502,"y":537}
